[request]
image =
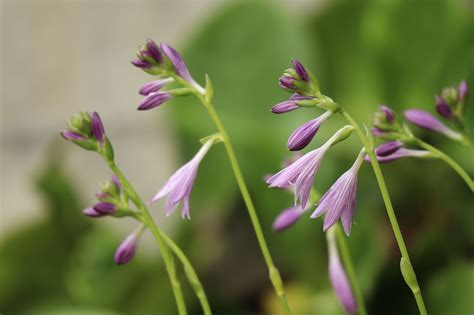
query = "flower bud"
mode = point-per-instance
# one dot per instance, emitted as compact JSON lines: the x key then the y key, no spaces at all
{"x":71,"y":136}
{"x":126,"y":250}
{"x":443,"y":108}
{"x":104,"y":208}
{"x":287,"y":83}
{"x":462,"y":91}
{"x":287,"y":218}
{"x":284,"y":107}
{"x":97,"y":127}
{"x":155,"y":86}
{"x":300,"y":70}
{"x":385,"y":120}
{"x":154,"y":99}
{"x":388,"y":148}
{"x":303,"y":135}
{"x":91,"y":212}
{"x":426,"y":120}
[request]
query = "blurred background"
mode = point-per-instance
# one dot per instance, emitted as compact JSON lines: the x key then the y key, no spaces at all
{"x":60,"y":57}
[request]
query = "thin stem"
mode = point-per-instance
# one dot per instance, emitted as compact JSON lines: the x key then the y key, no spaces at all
{"x":448,"y":160}
{"x":148,"y":220}
{"x":387,"y":201}
{"x":347,"y":260}
{"x":274,"y":274}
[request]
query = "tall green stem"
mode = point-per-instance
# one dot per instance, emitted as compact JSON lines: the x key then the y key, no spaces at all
{"x":148,"y":220}
{"x":346,"y":258}
{"x":454,"y":165}
{"x":387,"y":201}
{"x":274,"y":274}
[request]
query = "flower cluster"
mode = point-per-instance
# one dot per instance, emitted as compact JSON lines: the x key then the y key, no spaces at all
{"x":167,"y":64}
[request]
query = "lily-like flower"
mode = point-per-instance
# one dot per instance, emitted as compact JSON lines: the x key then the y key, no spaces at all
{"x":179,"y":66}
{"x":155,"y":86}
{"x":388,"y":148}
{"x":425,"y":120}
{"x":154,"y":99}
{"x":179,"y":186}
{"x":287,"y":218}
{"x":340,"y":200}
{"x":97,"y":127}
{"x":301,"y":173}
{"x":399,"y":154}
{"x":338,"y":278}
{"x":303,"y":135}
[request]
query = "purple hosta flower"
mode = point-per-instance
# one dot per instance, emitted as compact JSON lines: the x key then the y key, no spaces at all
{"x":339,"y":281}
{"x":179,"y":66}
{"x":443,"y":107}
{"x":340,"y":200}
{"x":126,"y":250}
{"x":179,"y":186}
{"x":462,"y":91}
{"x":303,"y":135}
{"x":388,"y":148}
{"x":287,"y":218}
{"x":104,"y":208}
{"x":287,"y":82}
{"x":91,"y":212}
{"x":155,"y":86}
{"x":71,"y":136}
{"x":154,"y":99}
{"x":97,"y":127}
{"x":399,"y":154}
{"x":300,"y":70}
{"x":425,"y":120}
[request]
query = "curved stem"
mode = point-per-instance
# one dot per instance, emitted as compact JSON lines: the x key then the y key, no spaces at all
{"x":448,"y":160}
{"x":387,"y":201}
{"x":148,"y":220}
{"x":274,"y":274}
{"x":346,"y":258}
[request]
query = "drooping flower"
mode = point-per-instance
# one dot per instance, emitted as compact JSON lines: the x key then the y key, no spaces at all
{"x":338,"y":278}
{"x":303,"y":135}
{"x":154,"y":99}
{"x":301,"y":173}
{"x":97,"y":127}
{"x":388,"y":148}
{"x":399,"y":154}
{"x":425,"y":120}
{"x":179,"y":186}
{"x":340,"y":200}
{"x":287,"y":218}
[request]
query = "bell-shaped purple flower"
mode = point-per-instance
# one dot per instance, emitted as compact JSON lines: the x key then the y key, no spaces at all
{"x":126,"y":250}
{"x":339,"y":281}
{"x":97,"y":127}
{"x":300,"y":70}
{"x":303,"y":135}
{"x":443,"y":108}
{"x":155,"y":86}
{"x":179,"y":66}
{"x":388,"y":148}
{"x":340,"y":200}
{"x":287,"y":218}
{"x":179,"y":186}
{"x":425,"y":120}
{"x":399,"y":154}
{"x":154,"y":99}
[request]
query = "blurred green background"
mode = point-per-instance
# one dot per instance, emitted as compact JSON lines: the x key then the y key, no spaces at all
{"x":365,"y":53}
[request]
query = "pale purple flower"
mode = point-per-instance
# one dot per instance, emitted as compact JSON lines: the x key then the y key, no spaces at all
{"x":399,"y":154}
{"x":388,"y":148}
{"x":462,"y":91}
{"x":97,"y":127}
{"x":155,"y":86}
{"x":339,"y":281}
{"x":126,"y":250}
{"x":179,"y":66}
{"x":104,"y":208}
{"x":154,"y":99}
{"x":443,"y":108}
{"x":71,"y":136}
{"x":179,"y":186}
{"x":287,"y":218}
{"x":303,"y":135}
{"x":425,"y":120}
{"x":388,"y":112}
{"x":300,"y":70}
{"x":91,"y":212}
{"x":340,"y":200}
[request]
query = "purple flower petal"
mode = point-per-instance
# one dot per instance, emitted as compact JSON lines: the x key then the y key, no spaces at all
{"x":126,"y":250}
{"x":97,"y":127}
{"x":303,"y":135}
{"x":426,"y":120}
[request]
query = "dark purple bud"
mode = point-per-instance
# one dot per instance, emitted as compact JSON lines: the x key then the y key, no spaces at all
{"x":388,"y":148}
{"x":104,"y":208}
{"x":426,"y":120}
{"x":71,"y":136}
{"x":287,"y":218}
{"x":284,"y":107}
{"x":443,"y":108}
{"x":303,"y":135}
{"x":287,"y":82}
{"x":462,"y":91}
{"x":177,"y":61}
{"x":153,"y":100}
{"x":97,"y":127}
{"x":91,"y":212}
{"x":142,"y":64}
{"x":117,"y":182}
{"x":126,"y":250}
{"x":155,"y":86}
{"x":389,"y":114}
{"x":154,"y":51}
{"x":300,"y":70}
